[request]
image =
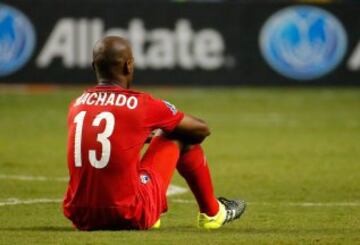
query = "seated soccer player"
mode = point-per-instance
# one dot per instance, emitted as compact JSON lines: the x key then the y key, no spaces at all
{"x":111,"y":187}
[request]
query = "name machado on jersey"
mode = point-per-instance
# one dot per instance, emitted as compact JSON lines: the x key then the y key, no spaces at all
{"x":107,"y":99}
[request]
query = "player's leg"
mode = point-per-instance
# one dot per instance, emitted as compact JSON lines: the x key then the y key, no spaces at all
{"x":193,"y":167}
{"x":162,"y":157}
{"x":214,"y":212}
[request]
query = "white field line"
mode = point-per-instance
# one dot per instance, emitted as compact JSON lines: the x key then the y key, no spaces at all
{"x":33,"y":178}
{"x":295,"y":204}
{"x":173,"y":189}
{"x":16,"y":201}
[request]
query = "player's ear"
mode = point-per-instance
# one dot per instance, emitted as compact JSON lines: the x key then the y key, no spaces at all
{"x":129,"y":66}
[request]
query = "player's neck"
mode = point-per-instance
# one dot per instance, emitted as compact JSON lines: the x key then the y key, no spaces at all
{"x":113,"y":82}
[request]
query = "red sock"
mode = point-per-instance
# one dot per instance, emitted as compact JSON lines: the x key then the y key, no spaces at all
{"x":194,"y":168}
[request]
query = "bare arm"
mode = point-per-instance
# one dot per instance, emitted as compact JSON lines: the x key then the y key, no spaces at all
{"x":190,"y":130}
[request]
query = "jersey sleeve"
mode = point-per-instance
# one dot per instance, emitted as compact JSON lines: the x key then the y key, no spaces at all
{"x":162,"y":114}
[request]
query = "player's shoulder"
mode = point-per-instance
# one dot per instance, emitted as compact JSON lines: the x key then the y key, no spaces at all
{"x":146,"y":99}
{"x":137,"y":93}
{"x":146,"y":96}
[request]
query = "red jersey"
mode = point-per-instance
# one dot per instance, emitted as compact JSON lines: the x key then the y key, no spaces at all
{"x":108,"y":126}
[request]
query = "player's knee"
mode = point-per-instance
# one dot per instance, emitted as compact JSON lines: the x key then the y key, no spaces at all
{"x":188,"y":147}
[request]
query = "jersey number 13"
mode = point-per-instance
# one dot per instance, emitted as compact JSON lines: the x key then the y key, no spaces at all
{"x":102,"y":138}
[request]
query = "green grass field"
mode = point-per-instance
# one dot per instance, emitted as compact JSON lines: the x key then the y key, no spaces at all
{"x":293,"y":154}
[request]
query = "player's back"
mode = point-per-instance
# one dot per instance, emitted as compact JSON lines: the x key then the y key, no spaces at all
{"x":106,"y":134}
{"x":108,"y":126}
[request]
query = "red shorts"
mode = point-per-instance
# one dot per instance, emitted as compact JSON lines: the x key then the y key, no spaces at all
{"x":142,"y":210}
{"x":152,"y":198}
{"x":140,"y":213}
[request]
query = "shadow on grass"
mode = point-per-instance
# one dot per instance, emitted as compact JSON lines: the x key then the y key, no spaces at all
{"x":40,"y":228}
{"x":191,"y":229}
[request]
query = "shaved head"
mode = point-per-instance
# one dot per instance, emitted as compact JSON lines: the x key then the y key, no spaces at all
{"x":113,"y":61}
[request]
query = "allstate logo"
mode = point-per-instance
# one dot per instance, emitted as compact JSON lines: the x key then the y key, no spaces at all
{"x":17,"y":39}
{"x":303,"y":42}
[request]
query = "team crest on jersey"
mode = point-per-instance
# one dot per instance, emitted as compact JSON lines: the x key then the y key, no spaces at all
{"x":144,"y":178}
{"x":171,"y":107}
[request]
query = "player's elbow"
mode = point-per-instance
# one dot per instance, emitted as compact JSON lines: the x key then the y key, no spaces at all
{"x":192,"y":130}
{"x":205,"y":131}
{"x":202,"y":132}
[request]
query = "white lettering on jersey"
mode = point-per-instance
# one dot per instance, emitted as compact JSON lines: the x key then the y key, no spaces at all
{"x":132,"y":102}
{"x":90,"y":100}
{"x":81,"y":99}
{"x":101,"y":99}
{"x":120,"y":100}
{"x":107,"y":99}
{"x":110,"y":99}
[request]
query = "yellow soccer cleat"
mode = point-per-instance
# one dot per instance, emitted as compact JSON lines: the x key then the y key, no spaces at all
{"x":229,"y":210}
{"x":156,"y":225}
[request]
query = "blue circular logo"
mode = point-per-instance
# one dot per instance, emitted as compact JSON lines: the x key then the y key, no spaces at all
{"x":17,"y":40}
{"x":303,"y":42}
